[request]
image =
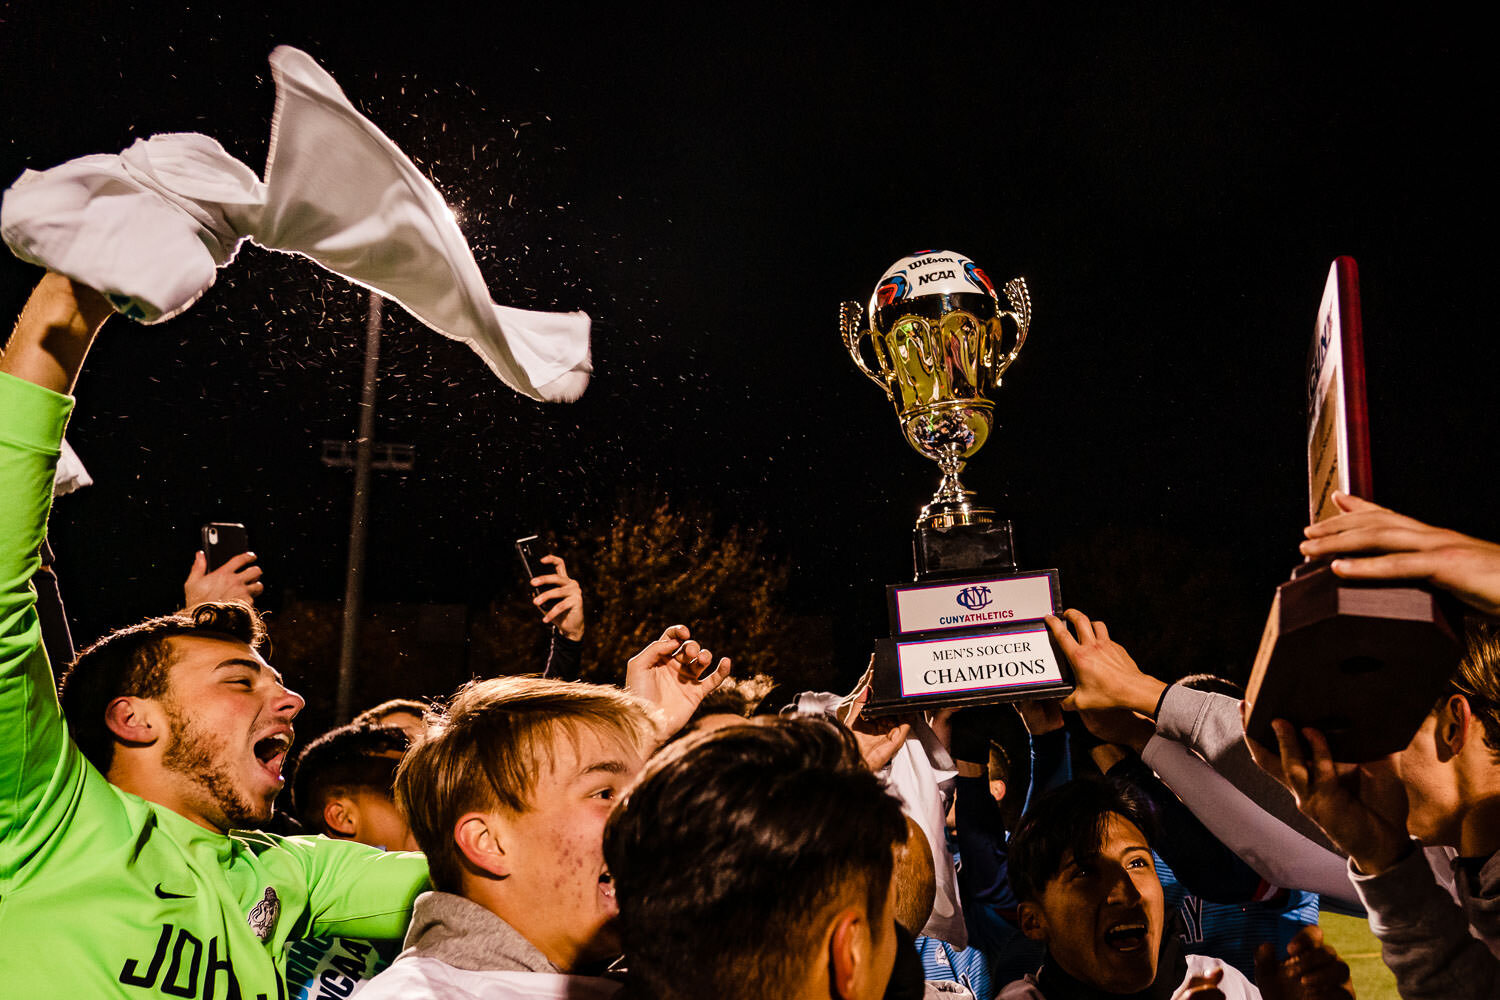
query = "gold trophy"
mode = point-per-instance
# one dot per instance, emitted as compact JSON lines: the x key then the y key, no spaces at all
{"x":969,"y":629}
{"x":937,"y":331}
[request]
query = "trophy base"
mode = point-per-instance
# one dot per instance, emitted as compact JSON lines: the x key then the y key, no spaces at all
{"x":1363,"y":663}
{"x":962,"y":548}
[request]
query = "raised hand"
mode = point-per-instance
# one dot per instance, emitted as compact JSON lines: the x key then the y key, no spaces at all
{"x":237,"y":581}
{"x":1362,"y":807}
{"x":1106,"y":675}
{"x":1311,"y":971}
{"x":673,"y":674}
{"x":1202,"y":987}
{"x":567,"y":613}
{"x":878,"y":739}
{"x":1041,"y":716}
{"x":1379,"y":544}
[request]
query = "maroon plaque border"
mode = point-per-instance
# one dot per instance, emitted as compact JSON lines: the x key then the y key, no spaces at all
{"x":1352,"y":363}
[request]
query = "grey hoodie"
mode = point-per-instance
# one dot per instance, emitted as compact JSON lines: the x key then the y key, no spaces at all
{"x":465,"y":935}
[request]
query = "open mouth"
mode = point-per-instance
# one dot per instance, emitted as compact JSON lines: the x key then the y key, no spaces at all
{"x":1126,"y":937}
{"x":271,"y":752}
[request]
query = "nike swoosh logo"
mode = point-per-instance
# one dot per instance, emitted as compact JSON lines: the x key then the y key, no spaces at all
{"x":164,"y":894}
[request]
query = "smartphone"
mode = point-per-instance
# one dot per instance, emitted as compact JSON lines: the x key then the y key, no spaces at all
{"x":222,"y":542}
{"x":527,"y":548}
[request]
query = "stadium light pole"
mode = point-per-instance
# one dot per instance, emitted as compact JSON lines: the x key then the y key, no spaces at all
{"x":359,"y":517}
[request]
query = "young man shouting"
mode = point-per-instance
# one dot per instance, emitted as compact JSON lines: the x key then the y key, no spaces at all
{"x":1081,"y":867}
{"x":507,"y":795}
{"x":118,"y":873}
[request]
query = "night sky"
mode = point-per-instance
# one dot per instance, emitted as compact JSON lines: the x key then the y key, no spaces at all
{"x":1172,"y":183}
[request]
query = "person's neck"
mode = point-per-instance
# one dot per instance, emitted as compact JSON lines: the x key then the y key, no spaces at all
{"x":492,"y":894}
{"x":1479,"y":832}
{"x":154,"y":783}
{"x":1478,"y":789}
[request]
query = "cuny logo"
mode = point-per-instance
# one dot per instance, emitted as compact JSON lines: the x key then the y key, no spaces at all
{"x":892,"y":289}
{"x":973,"y":598}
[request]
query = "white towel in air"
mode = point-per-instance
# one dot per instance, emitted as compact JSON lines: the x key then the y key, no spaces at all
{"x":149,"y":228}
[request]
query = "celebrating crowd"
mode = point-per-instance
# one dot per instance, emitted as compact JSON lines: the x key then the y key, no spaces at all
{"x":685,"y":834}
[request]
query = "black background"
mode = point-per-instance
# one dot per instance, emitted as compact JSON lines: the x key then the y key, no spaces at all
{"x":1172,"y":182}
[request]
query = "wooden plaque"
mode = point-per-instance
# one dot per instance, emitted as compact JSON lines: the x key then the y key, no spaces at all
{"x":1362,"y":662}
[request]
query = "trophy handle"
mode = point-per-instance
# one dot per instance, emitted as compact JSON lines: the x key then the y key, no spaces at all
{"x":1020,"y":302}
{"x":851,"y":323}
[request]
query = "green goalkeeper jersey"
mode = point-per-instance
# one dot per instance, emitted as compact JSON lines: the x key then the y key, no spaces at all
{"x":103,"y":893}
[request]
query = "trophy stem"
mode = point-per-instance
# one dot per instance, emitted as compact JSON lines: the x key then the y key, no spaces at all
{"x":950,"y":490}
{"x":952,"y":504}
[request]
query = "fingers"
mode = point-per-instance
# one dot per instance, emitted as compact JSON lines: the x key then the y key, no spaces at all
{"x":1392,"y":566}
{"x":720,"y":673}
{"x":1061,"y":636}
{"x":561,"y":608}
{"x":236,"y":563}
{"x":1081,"y":625}
{"x":1202,"y":987}
{"x":1374,"y":538}
{"x":696,"y":662}
{"x":663,"y":649}
{"x":1347,"y":502}
{"x":1372,"y":515}
{"x":1293,"y":764}
{"x":557,"y":594}
{"x":1268,"y":760}
{"x":1306,"y":939}
{"x":200,"y":565}
{"x":1322,"y":770}
{"x":1087,"y":631}
{"x":1313,"y":964}
{"x":562,"y":567}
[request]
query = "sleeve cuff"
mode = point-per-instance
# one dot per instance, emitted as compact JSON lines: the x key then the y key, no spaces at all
{"x":32,"y":417}
{"x":1178,"y":712}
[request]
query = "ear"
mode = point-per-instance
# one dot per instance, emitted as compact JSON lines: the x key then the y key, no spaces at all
{"x":849,"y":948}
{"x":341,"y":817}
{"x":1454,"y":721}
{"x":1033,"y":922}
{"x":481,"y":839}
{"x":137,"y":721}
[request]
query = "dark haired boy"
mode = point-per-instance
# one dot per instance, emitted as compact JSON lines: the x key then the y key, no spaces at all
{"x":344,"y":784}
{"x":1082,"y":868}
{"x":756,"y":861}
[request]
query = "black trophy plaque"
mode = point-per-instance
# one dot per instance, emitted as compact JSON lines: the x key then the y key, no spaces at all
{"x":1362,"y":662}
{"x":968,"y":640}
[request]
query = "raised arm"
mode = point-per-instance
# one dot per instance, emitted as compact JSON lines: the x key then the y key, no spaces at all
{"x":37,"y":370}
{"x":53,"y":335}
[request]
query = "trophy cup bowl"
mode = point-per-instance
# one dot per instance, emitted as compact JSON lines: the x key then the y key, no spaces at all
{"x":937,"y":333}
